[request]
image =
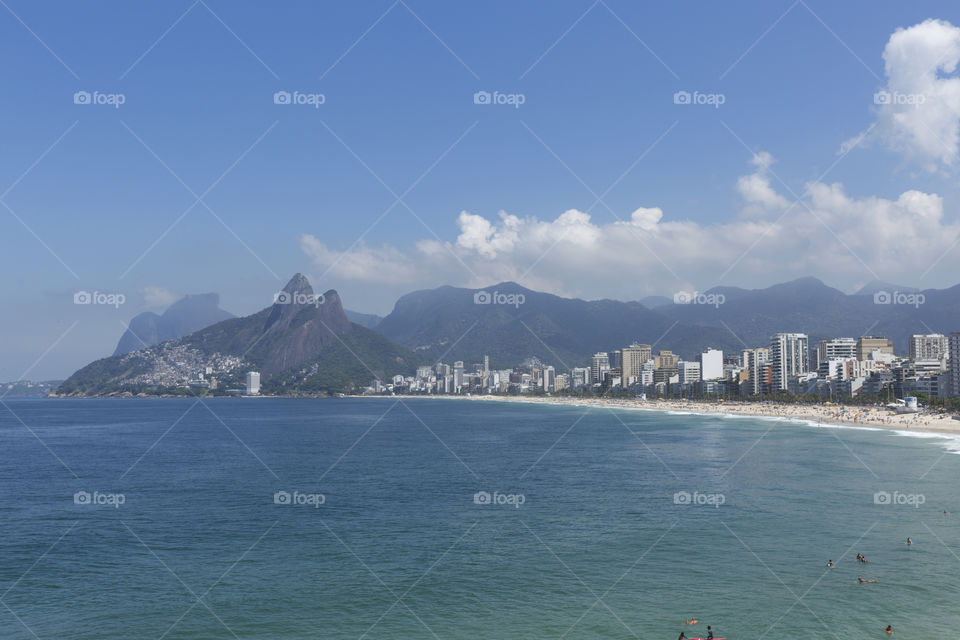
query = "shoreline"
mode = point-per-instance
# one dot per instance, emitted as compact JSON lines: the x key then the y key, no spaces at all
{"x":866,"y":418}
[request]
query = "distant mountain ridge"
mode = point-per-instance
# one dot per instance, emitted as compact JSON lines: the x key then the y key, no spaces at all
{"x":447,"y":322}
{"x":188,"y":314}
{"x":302,"y":343}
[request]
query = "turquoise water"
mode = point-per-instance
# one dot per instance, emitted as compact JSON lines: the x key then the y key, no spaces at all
{"x":599,"y":548}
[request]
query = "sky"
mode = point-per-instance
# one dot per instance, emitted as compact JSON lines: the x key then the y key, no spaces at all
{"x":597,"y":149}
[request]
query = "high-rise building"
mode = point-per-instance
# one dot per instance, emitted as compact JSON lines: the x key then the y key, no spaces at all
{"x":790,"y":357}
{"x":549,"y":379}
{"x":486,"y":365}
{"x":836,"y":348}
{"x":615,"y":359}
{"x":954,"y":363}
{"x":457,"y":376}
{"x":579,"y":377}
{"x":599,"y":363}
{"x":711,"y":364}
{"x":253,"y":383}
{"x":929,"y":346}
{"x":633,"y":358}
{"x":690,"y":372}
{"x":755,"y":361}
{"x":866,"y":344}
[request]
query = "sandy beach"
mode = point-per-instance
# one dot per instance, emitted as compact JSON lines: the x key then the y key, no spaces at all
{"x":868,"y":417}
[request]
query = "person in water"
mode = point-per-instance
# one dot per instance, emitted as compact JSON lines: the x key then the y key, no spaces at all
{"x":830,"y":563}
{"x":683,"y":636}
{"x":889,"y":629}
{"x":691,"y":621}
{"x":909,"y":541}
{"x":862,"y":580}
{"x":709,"y":633}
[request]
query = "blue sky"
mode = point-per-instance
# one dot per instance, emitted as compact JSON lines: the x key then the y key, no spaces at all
{"x":101,"y":196}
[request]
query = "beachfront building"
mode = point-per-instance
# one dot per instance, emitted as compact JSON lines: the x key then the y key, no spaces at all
{"x":632,"y":361}
{"x":549,"y":379}
{"x":954,"y":342}
{"x":579,"y":377}
{"x":790,"y":358}
{"x":711,"y":364}
{"x":689,"y":372}
{"x":253,"y":383}
{"x":599,"y":365}
{"x":928,"y":346}
{"x":836,"y":348}
{"x":866,"y":345}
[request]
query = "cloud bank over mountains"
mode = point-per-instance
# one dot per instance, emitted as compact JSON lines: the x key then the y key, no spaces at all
{"x":775,"y":235}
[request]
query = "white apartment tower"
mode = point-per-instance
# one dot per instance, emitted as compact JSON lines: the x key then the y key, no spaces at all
{"x":599,"y":364}
{"x":253,"y":383}
{"x":711,"y":364}
{"x":929,"y":346}
{"x":836,"y":348}
{"x":790,"y":357}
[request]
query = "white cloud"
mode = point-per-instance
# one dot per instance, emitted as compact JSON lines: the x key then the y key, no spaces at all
{"x":843,"y":237}
{"x":918,"y":111}
{"x":158,"y":298}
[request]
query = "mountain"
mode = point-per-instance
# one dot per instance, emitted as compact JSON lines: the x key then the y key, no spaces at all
{"x":303,"y":343}
{"x":809,"y":306}
{"x":368,"y":320}
{"x":190,"y":313}
{"x":877,"y":286}
{"x":449,"y":322}
{"x":511,"y":323}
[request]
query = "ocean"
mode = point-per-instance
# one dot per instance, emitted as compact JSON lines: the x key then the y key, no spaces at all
{"x":379,"y":518}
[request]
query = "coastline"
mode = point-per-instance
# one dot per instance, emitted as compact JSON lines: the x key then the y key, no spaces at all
{"x":868,"y":418}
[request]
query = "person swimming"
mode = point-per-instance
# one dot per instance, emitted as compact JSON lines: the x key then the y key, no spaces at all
{"x":889,"y":629}
{"x":909,"y":541}
{"x":862,"y":580}
{"x":830,"y":563}
{"x":691,"y":621}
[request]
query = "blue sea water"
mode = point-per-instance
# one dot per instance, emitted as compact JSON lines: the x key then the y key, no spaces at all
{"x":600,"y":523}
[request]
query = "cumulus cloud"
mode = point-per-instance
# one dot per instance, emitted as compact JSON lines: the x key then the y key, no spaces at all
{"x":830,"y":234}
{"x":158,"y":298}
{"x":918,"y":111}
